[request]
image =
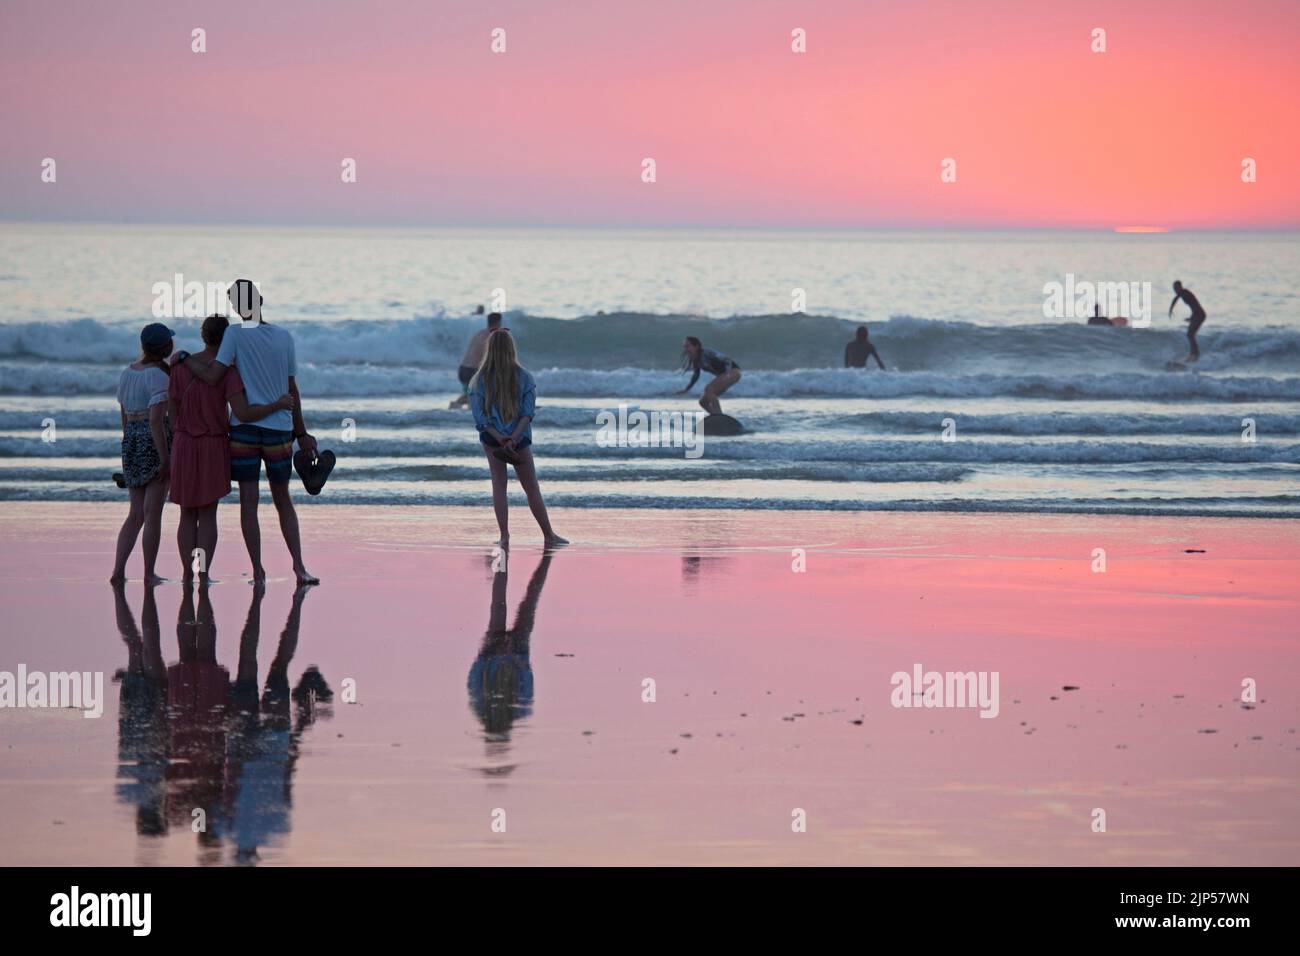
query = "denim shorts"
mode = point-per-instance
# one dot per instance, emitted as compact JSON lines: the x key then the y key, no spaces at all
{"x":491,"y":442}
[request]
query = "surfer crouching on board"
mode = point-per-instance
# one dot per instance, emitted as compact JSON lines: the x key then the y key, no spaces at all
{"x":1195,"y":319}
{"x":697,"y":358}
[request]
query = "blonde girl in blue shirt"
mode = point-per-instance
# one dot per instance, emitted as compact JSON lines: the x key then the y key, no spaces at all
{"x":503,"y":398}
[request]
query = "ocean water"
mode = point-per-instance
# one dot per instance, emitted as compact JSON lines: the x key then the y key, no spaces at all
{"x":986,"y":404}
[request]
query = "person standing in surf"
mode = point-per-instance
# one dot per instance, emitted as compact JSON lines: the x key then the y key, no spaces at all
{"x":860,"y":349}
{"x":696,"y":358}
{"x":1196,"y":319}
{"x":503,"y":398}
{"x":473,"y":357}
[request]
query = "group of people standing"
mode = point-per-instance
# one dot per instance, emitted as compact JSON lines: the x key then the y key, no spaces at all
{"x":193,"y":423}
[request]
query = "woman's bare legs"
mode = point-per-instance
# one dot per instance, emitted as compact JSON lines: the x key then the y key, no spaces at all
{"x":500,"y":503}
{"x":709,"y":400}
{"x":187,"y":534}
{"x":526,"y":472}
{"x":207,"y":539}
{"x":197,"y":530}
{"x":127,"y":536}
{"x":155,"y":495}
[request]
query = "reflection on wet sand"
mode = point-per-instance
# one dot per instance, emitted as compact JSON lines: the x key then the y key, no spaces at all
{"x":501,"y":678}
{"x":696,"y":567}
{"x":197,"y":750}
{"x":773,"y":693}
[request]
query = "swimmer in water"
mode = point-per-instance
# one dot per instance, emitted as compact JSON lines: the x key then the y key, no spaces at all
{"x":860,"y":349}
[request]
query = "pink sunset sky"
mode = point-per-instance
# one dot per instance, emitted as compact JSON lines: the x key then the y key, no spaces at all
{"x":744,"y":132}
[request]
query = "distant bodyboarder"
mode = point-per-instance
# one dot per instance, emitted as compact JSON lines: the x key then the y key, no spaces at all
{"x":1098,"y":319}
{"x":1196,"y":319}
{"x":860,"y":349}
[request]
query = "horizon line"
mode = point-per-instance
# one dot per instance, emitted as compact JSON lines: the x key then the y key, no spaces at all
{"x":1118,"y":229}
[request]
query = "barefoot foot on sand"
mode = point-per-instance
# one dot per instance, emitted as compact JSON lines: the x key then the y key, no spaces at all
{"x":305,"y":577}
{"x":555,"y":541}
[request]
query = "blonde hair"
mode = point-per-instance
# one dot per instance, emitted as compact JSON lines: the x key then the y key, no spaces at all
{"x":498,"y":372}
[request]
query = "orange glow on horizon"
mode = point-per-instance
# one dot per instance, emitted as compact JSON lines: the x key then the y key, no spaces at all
{"x":1043,"y":131}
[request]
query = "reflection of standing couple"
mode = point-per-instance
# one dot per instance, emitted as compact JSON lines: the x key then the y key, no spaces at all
{"x":176,"y":432}
{"x":191,"y":740}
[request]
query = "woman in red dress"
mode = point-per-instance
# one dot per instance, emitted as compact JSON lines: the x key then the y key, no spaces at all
{"x":201,"y":447}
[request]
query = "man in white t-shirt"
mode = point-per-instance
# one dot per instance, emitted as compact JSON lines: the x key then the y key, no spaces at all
{"x":268,"y":365}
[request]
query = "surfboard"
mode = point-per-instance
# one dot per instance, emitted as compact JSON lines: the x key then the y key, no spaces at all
{"x":722,"y":425}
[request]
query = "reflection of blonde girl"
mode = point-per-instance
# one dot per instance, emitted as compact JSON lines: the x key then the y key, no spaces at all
{"x":501,"y":678}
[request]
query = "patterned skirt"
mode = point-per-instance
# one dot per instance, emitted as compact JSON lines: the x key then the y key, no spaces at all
{"x":140,"y":462}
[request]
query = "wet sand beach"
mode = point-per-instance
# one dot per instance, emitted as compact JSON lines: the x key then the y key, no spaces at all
{"x":516,"y":696}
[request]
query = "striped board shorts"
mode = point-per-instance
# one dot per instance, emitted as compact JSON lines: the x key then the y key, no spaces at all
{"x":250,"y":445}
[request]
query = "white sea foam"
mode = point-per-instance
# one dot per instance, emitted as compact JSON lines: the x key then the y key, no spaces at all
{"x":757,"y":342}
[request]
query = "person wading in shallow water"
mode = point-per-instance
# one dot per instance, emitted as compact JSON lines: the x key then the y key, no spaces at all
{"x":860,"y":349}
{"x":473,"y":358}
